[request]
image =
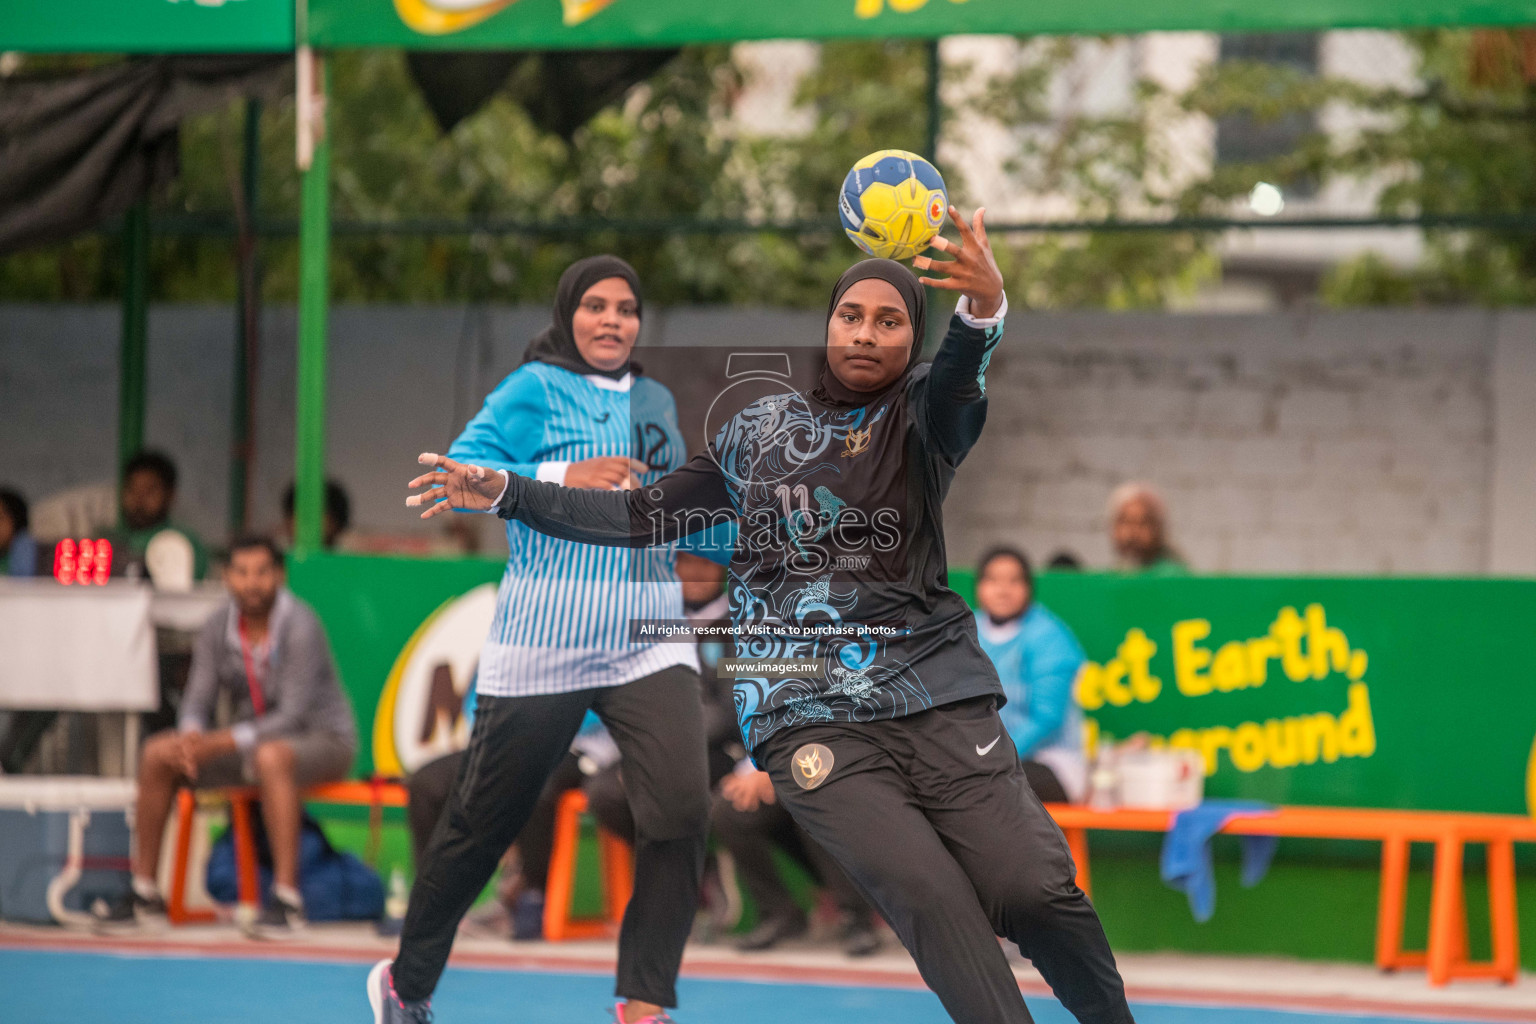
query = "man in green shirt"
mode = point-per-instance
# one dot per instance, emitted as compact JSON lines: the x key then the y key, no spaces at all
{"x":1138,"y":524}
{"x":144,"y":504}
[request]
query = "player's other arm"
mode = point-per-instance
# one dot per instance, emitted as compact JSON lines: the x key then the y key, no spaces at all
{"x":956,"y":403}
{"x":683,"y":502}
{"x":507,"y":431}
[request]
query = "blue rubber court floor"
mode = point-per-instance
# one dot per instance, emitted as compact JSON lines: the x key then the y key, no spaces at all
{"x":100,"y":988}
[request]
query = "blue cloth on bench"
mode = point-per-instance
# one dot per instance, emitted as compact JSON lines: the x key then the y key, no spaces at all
{"x":1186,"y":860}
{"x":336,"y":886}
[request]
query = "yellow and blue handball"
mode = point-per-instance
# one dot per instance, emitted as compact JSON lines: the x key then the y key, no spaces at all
{"x":893,"y":203}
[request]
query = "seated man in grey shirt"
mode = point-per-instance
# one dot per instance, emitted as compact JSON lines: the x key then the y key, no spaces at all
{"x":267,"y":655}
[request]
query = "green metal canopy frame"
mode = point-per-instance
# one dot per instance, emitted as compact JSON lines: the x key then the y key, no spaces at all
{"x":306,"y":26}
{"x":179,"y":26}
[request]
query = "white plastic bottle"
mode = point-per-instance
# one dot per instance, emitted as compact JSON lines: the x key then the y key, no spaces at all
{"x":395,"y":903}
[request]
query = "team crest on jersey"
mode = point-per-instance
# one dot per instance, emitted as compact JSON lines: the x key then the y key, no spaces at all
{"x":857,"y":442}
{"x":811,"y":765}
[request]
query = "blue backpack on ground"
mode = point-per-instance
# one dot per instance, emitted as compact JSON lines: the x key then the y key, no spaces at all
{"x":336,"y":886}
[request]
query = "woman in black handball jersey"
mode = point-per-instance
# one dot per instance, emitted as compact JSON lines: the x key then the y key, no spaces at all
{"x":888,"y":748}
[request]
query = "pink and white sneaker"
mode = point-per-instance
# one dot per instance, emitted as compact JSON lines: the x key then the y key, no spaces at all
{"x":388,"y":1007}
{"x":656,"y":1018}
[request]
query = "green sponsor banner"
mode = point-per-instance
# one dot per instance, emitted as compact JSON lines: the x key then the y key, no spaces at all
{"x":147,"y":26}
{"x":178,"y":26}
{"x":373,"y":608}
{"x":556,"y":24}
{"x":1401,"y":693}
{"x":1406,"y":693}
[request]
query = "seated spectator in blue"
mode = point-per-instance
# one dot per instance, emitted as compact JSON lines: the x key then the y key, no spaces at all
{"x":266,"y":654}
{"x":1037,"y":659}
{"x":18,"y":551}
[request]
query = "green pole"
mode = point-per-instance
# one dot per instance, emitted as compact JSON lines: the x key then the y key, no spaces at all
{"x":314,"y":293}
{"x":936,"y":325}
{"x":248,"y":309}
{"x":135,"y":337}
{"x":935,"y":104}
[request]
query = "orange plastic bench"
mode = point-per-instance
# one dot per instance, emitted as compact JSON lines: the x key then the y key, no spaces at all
{"x":375,"y":794}
{"x":1445,"y":957}
{"x":617,"y":876}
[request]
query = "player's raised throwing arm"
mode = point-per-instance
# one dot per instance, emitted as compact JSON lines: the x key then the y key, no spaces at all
{"x":953,"y":400}
{"x":683,"y":502}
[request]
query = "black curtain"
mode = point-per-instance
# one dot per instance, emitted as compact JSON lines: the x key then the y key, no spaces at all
{"x":80,"y":149}
{"x":561,"y":90}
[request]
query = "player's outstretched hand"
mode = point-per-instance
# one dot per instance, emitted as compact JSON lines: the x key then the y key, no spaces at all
{"x":453,"y":485}
{"x":973,"y":272}
{"x":606,"y":473}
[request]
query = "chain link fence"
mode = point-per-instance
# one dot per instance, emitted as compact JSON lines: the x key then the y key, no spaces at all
{"x":1123,"y":171}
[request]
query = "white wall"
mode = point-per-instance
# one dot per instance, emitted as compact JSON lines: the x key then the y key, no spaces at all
{"x":1365,"y":442}
{"x":1512,"y":530}
{"x":1348,"y":442}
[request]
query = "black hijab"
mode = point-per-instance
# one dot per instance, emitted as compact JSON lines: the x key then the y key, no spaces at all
{"x":556,"y":344}
{"x":833,"y":391}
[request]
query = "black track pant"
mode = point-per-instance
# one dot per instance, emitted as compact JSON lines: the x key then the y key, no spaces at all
{"x":516,"y":743}
{"x":430,"y":787}
{"x":932,"y":818}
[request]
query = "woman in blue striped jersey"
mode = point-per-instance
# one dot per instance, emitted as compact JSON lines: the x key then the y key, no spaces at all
{"x":576,"y":412}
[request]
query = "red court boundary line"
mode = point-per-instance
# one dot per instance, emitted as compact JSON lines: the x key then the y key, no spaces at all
{"x":764,"y":972}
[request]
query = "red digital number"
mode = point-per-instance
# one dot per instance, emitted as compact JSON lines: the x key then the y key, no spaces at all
{"x":64,"y":562}
{"x":85,"y":562}
{"x":103,"y":563}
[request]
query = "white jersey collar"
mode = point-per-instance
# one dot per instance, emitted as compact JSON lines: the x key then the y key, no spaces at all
{"x":624,"y":383}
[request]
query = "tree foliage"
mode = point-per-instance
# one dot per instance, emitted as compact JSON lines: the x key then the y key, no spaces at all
{"x":1462,"y":139}
{"x":670,"y":153}
{"x":1104,"y":162}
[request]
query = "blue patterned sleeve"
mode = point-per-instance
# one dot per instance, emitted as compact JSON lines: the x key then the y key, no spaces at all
{"x":509,"y":428}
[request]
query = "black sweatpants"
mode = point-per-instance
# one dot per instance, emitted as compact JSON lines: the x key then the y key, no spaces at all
{"x":516,"y":743}
{"x":932,"y":818}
